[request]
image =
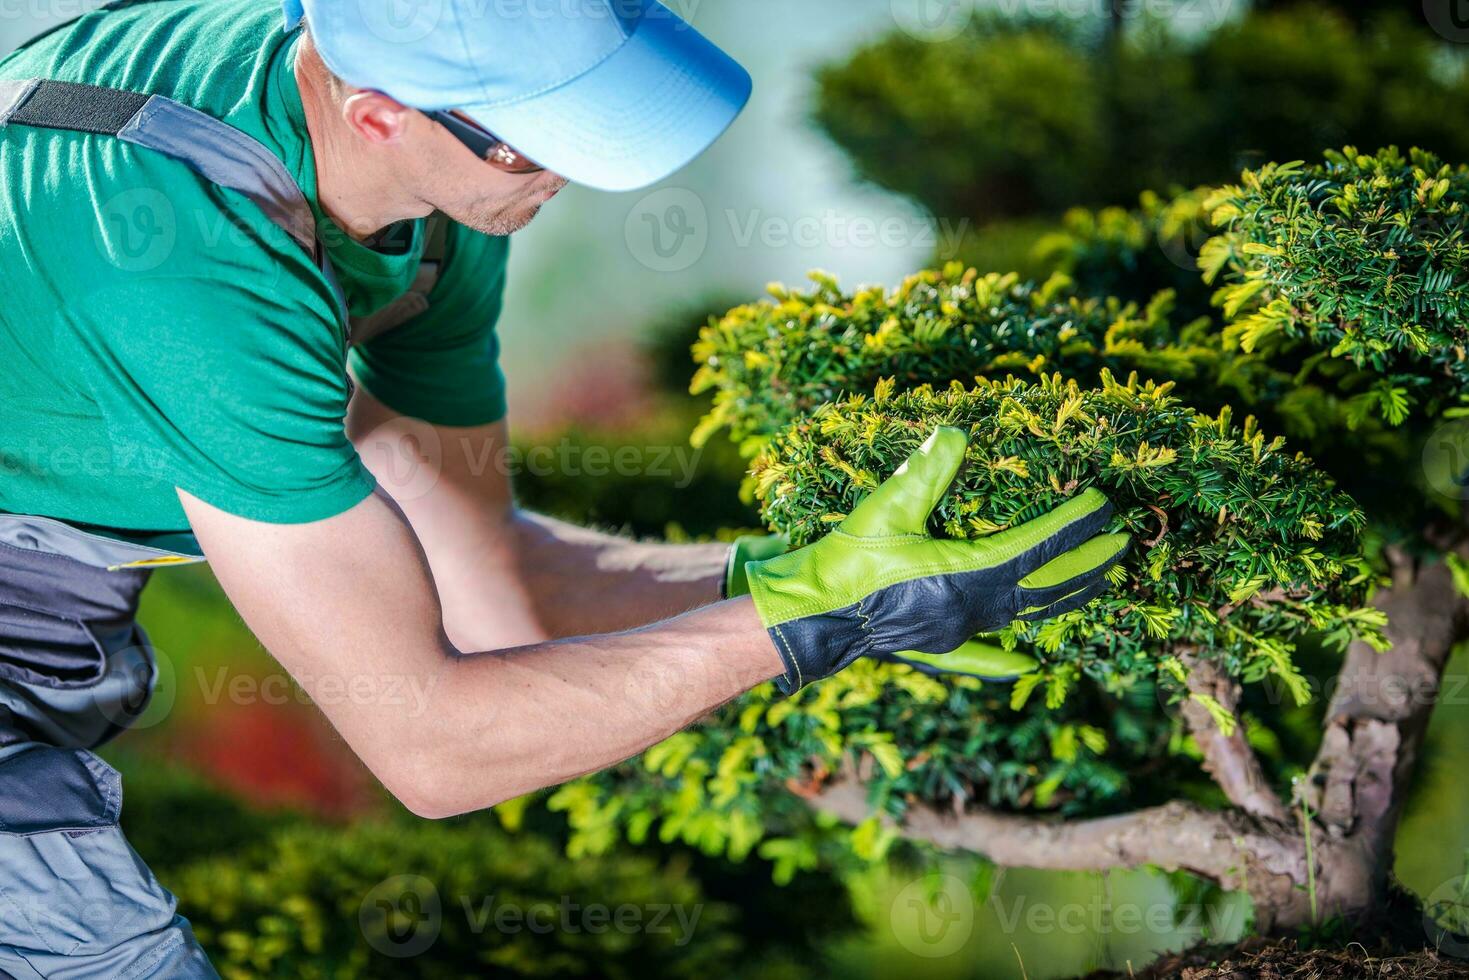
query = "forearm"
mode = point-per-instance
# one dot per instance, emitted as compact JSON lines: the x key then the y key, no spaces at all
{"x":347,"y":606}
{"x":498,"y":725}
{"x":582,"y":581}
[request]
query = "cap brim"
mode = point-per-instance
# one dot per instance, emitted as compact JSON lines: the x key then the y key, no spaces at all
{"x":638,"y":117}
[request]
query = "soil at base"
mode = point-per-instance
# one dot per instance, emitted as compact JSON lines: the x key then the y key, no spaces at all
{"x":1262,"y":959}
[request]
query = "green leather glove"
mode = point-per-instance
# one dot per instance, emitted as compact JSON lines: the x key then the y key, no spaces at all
{"x":974,"y":659}
{"x":751,"y":547}
{"x":880,"y":584}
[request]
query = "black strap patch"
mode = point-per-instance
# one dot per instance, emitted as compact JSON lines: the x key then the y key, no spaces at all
{"x":79,"y":108}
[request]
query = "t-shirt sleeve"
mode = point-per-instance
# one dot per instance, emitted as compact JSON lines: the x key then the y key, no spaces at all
{"x":443,"y":365}
{"x":236,"y":395}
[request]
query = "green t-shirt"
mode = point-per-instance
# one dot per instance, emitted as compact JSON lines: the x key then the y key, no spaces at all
{"x":157,"y":330}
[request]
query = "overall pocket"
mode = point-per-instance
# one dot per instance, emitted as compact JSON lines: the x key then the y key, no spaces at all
{"x":42,"y":648}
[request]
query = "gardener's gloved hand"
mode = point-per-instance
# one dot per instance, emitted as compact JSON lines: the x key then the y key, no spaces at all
{"x":974,"y":659}
{"x":880,"y":584}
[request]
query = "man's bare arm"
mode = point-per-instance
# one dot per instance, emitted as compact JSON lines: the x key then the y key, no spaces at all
{"x":506,"y":576}
{"x":347,"y":605}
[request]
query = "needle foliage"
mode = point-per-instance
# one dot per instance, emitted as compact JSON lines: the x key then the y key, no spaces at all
{"x":771,"y":361}
{"x":1241,"y":546}
{"x":1361,"y":259}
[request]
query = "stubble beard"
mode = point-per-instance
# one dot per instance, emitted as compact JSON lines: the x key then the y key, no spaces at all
{"x":501,"y":218}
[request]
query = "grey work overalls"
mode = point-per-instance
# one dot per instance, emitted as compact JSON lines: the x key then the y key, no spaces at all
{"x":75,"y":669}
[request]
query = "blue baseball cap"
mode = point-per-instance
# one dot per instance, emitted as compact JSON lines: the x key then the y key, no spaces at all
{"x":613,"y":94}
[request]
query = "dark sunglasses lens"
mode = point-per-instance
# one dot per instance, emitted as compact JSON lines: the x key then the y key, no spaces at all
{"x":505,"y":157}
{"x":484,"y":145}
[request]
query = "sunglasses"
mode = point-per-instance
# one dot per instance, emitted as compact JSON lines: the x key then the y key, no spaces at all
{"x":484,"y":144}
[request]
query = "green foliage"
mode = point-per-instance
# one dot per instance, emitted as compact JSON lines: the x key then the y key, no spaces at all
{"x":733,"y":784}
{"x":1134,"y":254}
{"x":1240,"y":547}
{"x":768,"y":362}
{"x":1015,"y":119}
{"x":1007,"y":120}
{"x":327,"y":902}
{"x":638,"y":481}
{"x":1363,"y":259}
{"x":1243,"y":550}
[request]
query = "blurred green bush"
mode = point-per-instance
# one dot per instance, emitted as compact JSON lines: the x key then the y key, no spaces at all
{"x":1016,"y":118}
{"x":273,"y":893}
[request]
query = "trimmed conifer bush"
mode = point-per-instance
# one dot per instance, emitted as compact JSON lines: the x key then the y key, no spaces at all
{"x":770,"y":361}
{"x":1362,"y":258}
{"x":1240,"y":546}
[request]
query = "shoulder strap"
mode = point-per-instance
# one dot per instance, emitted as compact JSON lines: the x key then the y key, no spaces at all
{"x":221,"y":154}
{"x":216,"y":150}
{"x":416,"y":299}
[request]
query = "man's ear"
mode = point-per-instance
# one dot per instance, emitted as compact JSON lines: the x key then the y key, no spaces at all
{"x":376,"y":117}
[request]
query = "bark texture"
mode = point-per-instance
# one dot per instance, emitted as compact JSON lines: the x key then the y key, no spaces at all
{"x":1375,"y":725}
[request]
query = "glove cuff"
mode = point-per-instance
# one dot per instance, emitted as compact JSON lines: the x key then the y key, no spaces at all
{"x":815,"y":647}
{"x":750,"y":547}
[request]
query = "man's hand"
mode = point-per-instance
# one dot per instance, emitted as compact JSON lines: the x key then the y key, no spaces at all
{"x":880,"y":584}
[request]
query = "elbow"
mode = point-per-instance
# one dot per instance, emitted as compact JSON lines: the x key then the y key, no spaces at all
{"x":435,"y":790}
{"x":425,"y":805}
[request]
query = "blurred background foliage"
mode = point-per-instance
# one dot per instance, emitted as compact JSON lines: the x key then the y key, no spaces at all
{"x":1055,"y":143}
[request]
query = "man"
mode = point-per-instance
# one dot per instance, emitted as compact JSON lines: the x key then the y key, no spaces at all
{"x":227,"y":306}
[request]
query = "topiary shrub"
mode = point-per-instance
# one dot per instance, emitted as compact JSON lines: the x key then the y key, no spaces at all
{"x":1134,"y":253}
{"x":1240,"y":546}
{"x":1014,"y":119}
{"x":769,"y":362}
{"x":1244,"y":549}
{"x":923,"y":119}
{"x":1362,"y":259}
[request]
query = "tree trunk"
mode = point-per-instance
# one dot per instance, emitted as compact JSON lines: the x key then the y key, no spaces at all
{"x":1374,"y":730}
